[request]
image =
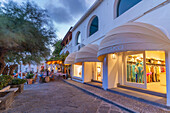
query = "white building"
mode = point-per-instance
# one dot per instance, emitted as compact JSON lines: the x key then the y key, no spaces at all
{"x":123,"y":42}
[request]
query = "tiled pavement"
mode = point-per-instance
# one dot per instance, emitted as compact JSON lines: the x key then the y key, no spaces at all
{"x":124,"y":101}
{"x":58,"y":97}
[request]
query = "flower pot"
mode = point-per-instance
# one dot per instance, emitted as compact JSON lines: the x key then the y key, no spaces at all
{"x":47,"y":79}
{"x":29,"y":81}
{"x":20,"y":87}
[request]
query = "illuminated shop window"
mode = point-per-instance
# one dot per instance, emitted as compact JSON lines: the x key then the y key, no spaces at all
{"x":124,"y":5}
{"x":99,"y":72}
{"x":135,"y":68}
{"x":78,"y":71}
{"x":156,"y":71}
{"x":78,"y":38}
{"x":94,"y":26}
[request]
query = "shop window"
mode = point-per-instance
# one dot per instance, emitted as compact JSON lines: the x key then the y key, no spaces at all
{"x":135,"y":68}
{"x":78,"y":71}
{"x":156,"y":71}
{"x":93,"y":26}
{"x":124,"y":5}
{"x":99,"y":72}
{"x":78,"y":38}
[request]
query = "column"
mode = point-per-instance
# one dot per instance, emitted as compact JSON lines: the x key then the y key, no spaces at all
{"x":55,"y":71}
{"x":168,"y":76}
{"x":83,"y":72}
{"x":72,"y":70}
{"x":113,"y":70}
{"x":105,"y":73}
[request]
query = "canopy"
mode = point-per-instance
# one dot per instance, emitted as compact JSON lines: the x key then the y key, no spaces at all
{"x":87,"y":54}
{"x":53,"y":62}
{"x":133,"y":36}
{"x":70,"y":58}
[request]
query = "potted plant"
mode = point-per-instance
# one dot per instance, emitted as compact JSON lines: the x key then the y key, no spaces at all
{"x":29,"y":78}
{"x":18,"y":83}
{"x":4,"y":81}
{"x":6,"y":97}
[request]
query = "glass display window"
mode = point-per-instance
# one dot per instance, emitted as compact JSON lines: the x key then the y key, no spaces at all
{"x":78,"y":71}
{"x":155,"y":66}
{"x":135,"y":68}
{"x":99,"y":71}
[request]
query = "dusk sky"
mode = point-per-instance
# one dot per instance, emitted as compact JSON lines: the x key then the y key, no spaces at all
{"x":64,"y":13}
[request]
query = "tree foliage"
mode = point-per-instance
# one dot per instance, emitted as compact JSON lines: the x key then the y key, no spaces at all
{"x":26,"y":32}
{"x":57,"y":49}
{"x":56,"y":52}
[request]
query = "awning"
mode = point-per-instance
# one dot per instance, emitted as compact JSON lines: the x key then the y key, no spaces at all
{"x":70,"y":58}
{"x":53,"y":62}
{"x":133,"y":36}
{"x":87,"y":54}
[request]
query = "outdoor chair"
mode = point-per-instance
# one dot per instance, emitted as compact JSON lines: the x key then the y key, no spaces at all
{"x":52,"y":78}
{"x":35,"y":78}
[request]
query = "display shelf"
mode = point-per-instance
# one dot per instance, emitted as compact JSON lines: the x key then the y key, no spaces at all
{"x":131,"y":62}
{"x":155,"y":64}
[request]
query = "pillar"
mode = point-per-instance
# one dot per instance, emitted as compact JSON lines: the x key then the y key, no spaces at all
{"x":72,"y":70}
{"x":55,"y":71}
{"x":113,"y":70}
{"x":105,"y":73}
{"x":168,"y":76}
{"x":83,"y":72}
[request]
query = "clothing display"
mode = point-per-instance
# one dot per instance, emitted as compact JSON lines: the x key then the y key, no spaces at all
{"x":135,"y":69}
{"x":153,"y":70}
{"x":155,"y":66}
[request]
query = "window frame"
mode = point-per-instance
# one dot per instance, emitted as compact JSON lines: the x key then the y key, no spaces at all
{"x":90,"y":23}
{"x":77,"y":37}
{"x":116,"y":8}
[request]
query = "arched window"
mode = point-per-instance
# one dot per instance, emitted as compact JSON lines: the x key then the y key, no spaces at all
{"x":78,"y":38}
{"x":94,"y":26}
{"x":124,"y":5}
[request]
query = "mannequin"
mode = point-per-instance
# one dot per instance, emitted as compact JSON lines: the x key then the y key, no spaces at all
{"x":140,"y":72}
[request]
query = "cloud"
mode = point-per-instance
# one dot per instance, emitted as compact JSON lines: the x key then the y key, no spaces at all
{"x":65,"y":11}
{"x":75,"y":7}
{"x":59,"y":14}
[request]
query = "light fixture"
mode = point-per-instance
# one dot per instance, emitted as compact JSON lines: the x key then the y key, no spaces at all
{"x":114,"y":56}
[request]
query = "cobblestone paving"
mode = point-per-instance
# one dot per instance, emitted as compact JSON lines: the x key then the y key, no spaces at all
{"x":58,"y":97}
{"x":126,"y":102}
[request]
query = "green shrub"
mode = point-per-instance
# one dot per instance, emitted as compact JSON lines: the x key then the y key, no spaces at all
{"x":18,"y":81}
{"x":5,"y":80}
{"x":30,"y":76}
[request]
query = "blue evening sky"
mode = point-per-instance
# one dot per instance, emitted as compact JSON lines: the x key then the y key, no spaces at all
{"x":64,"y":13}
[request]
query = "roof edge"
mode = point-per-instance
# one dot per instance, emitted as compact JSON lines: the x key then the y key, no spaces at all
{"x":89,"y":11}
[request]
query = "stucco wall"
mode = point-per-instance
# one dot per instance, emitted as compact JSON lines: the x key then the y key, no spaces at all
{"x":88,"y":71}
{"x":145,"y":11}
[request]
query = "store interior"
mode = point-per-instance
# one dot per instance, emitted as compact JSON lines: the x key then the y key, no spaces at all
{"x":78,"y":70}
{"x":155,"y":70}
{"x":98,"y":75}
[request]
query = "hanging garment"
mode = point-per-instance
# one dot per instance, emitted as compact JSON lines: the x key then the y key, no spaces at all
{"x":128,"y":72}
{"x":140,"y":74}
{"x":134,"y":73}
{"x":152,"y":76}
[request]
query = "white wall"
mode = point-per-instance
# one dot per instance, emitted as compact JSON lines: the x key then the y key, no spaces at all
{"x":107,"y":21}
{"x":88,"y":71}
{"x":113,"y":68}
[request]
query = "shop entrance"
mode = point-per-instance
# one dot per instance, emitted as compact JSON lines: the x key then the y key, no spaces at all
{"x":97,"y":71}
{"x":146,"y":70}
{"x":156,"y":71}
